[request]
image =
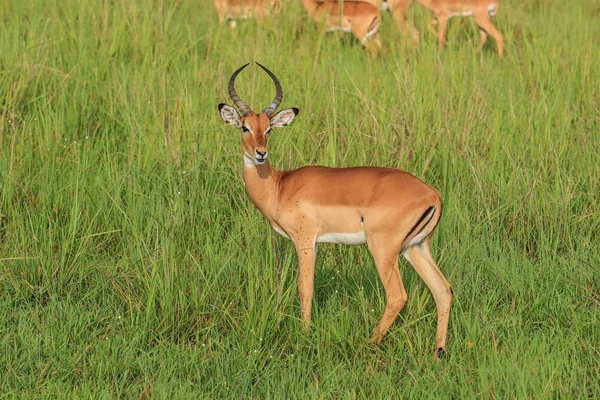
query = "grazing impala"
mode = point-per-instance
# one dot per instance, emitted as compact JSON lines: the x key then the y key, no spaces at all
{"x":388,"y":209}
{"x":232,"y":10}
{"x":359,"y":17}
{"x":481,"y":10}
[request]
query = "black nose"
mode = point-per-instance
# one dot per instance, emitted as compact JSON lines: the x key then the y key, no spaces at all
{"x":260,"y":153}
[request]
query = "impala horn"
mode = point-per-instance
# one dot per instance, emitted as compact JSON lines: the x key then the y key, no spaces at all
{"x":244,"y":108}
{"x":278,"y":97}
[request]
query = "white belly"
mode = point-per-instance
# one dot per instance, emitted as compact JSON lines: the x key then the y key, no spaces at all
{"x":339,"y":28}
{"x":461,"y":14}
{"x":343,"y":238}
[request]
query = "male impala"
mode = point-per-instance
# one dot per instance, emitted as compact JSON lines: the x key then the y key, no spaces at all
{"x":242,"y":9}
{"x":388,"y":209}
{"x":359,"y":17}
{"x":481,"y":10}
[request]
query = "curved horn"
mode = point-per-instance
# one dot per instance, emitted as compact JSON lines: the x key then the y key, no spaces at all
{"x":244,"y":108}
{"x":278,"y":97}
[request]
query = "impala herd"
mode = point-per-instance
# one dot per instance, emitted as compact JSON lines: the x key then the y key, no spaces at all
{"x":363,"y":18}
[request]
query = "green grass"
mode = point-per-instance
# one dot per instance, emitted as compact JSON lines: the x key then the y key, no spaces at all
{"x":132,"y":263}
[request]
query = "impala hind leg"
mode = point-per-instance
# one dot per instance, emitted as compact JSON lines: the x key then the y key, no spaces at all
{"x":386,"y":260}
{"x":484,"y":23}
{"x":306,"y":250}
{"x":420,"y":258}
{"x":483,"y":36}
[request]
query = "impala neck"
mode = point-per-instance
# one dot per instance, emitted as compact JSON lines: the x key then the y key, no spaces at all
{"x":310,"y":5}
{"x":261,"y":183}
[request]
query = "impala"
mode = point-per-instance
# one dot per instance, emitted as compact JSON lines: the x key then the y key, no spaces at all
{"x":359,"y":17}
{"x":388,"y":209}
{"x":481,"y":10}
{"x":241,"y":9}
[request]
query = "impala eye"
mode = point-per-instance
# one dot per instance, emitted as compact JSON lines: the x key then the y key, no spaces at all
{"x":268,"y":131}
{"x":244,"y":129}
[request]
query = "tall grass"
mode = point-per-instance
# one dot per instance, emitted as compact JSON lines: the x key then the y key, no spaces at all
{"x":133,"y":264}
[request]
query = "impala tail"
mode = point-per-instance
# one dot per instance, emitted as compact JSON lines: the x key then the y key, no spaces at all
{"x":492,"y":9}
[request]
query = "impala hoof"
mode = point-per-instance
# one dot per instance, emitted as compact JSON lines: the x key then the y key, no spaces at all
{"x":376,"y":338}
{"x":440,"y":354}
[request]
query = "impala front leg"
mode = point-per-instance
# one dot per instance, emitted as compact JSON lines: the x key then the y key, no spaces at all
{"x":442,"y":27}
{"x":399,"y":10}
{"x":306,"y":249}
{"x":385,"y":255}
{"x":486,"y":25}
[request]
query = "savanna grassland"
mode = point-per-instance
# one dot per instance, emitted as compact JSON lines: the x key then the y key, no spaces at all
{"x":132,"y":263}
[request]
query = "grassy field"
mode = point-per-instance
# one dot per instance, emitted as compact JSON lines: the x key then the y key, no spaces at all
{"x":132,"y":263}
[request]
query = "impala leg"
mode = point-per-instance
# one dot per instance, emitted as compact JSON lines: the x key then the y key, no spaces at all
{"x":420,"y":258}
{"x":386,"y":260}
{"x":376,"y":44}
{"x":434,"y":22}
{"x":220,"y":12}
{"x":399,"y":14}
{"x":442,"y":27}
{"x":482,"y":39}
{"x":484,"y":23}
{"x":306,"y":250}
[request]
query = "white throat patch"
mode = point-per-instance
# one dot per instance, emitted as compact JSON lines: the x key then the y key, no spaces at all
{"x":250,"y":161}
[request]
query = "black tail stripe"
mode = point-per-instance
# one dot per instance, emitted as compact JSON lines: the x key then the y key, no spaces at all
{"x":426,"y":223}
{"x":419,"y":221}
{"x":373,"y":24}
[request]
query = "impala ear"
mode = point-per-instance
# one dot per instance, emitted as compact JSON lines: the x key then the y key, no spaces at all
{"x":284,"y":117}
{"x":230,"y":115}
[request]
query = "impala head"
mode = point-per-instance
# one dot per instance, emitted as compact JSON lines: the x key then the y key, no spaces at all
{"x":255,"y":127}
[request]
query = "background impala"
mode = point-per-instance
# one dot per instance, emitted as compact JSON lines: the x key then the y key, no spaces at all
{"x":361,"y":18}
{"x":388,"y":209}
{"x":232,"y":10}
{"x":481,"y":10}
